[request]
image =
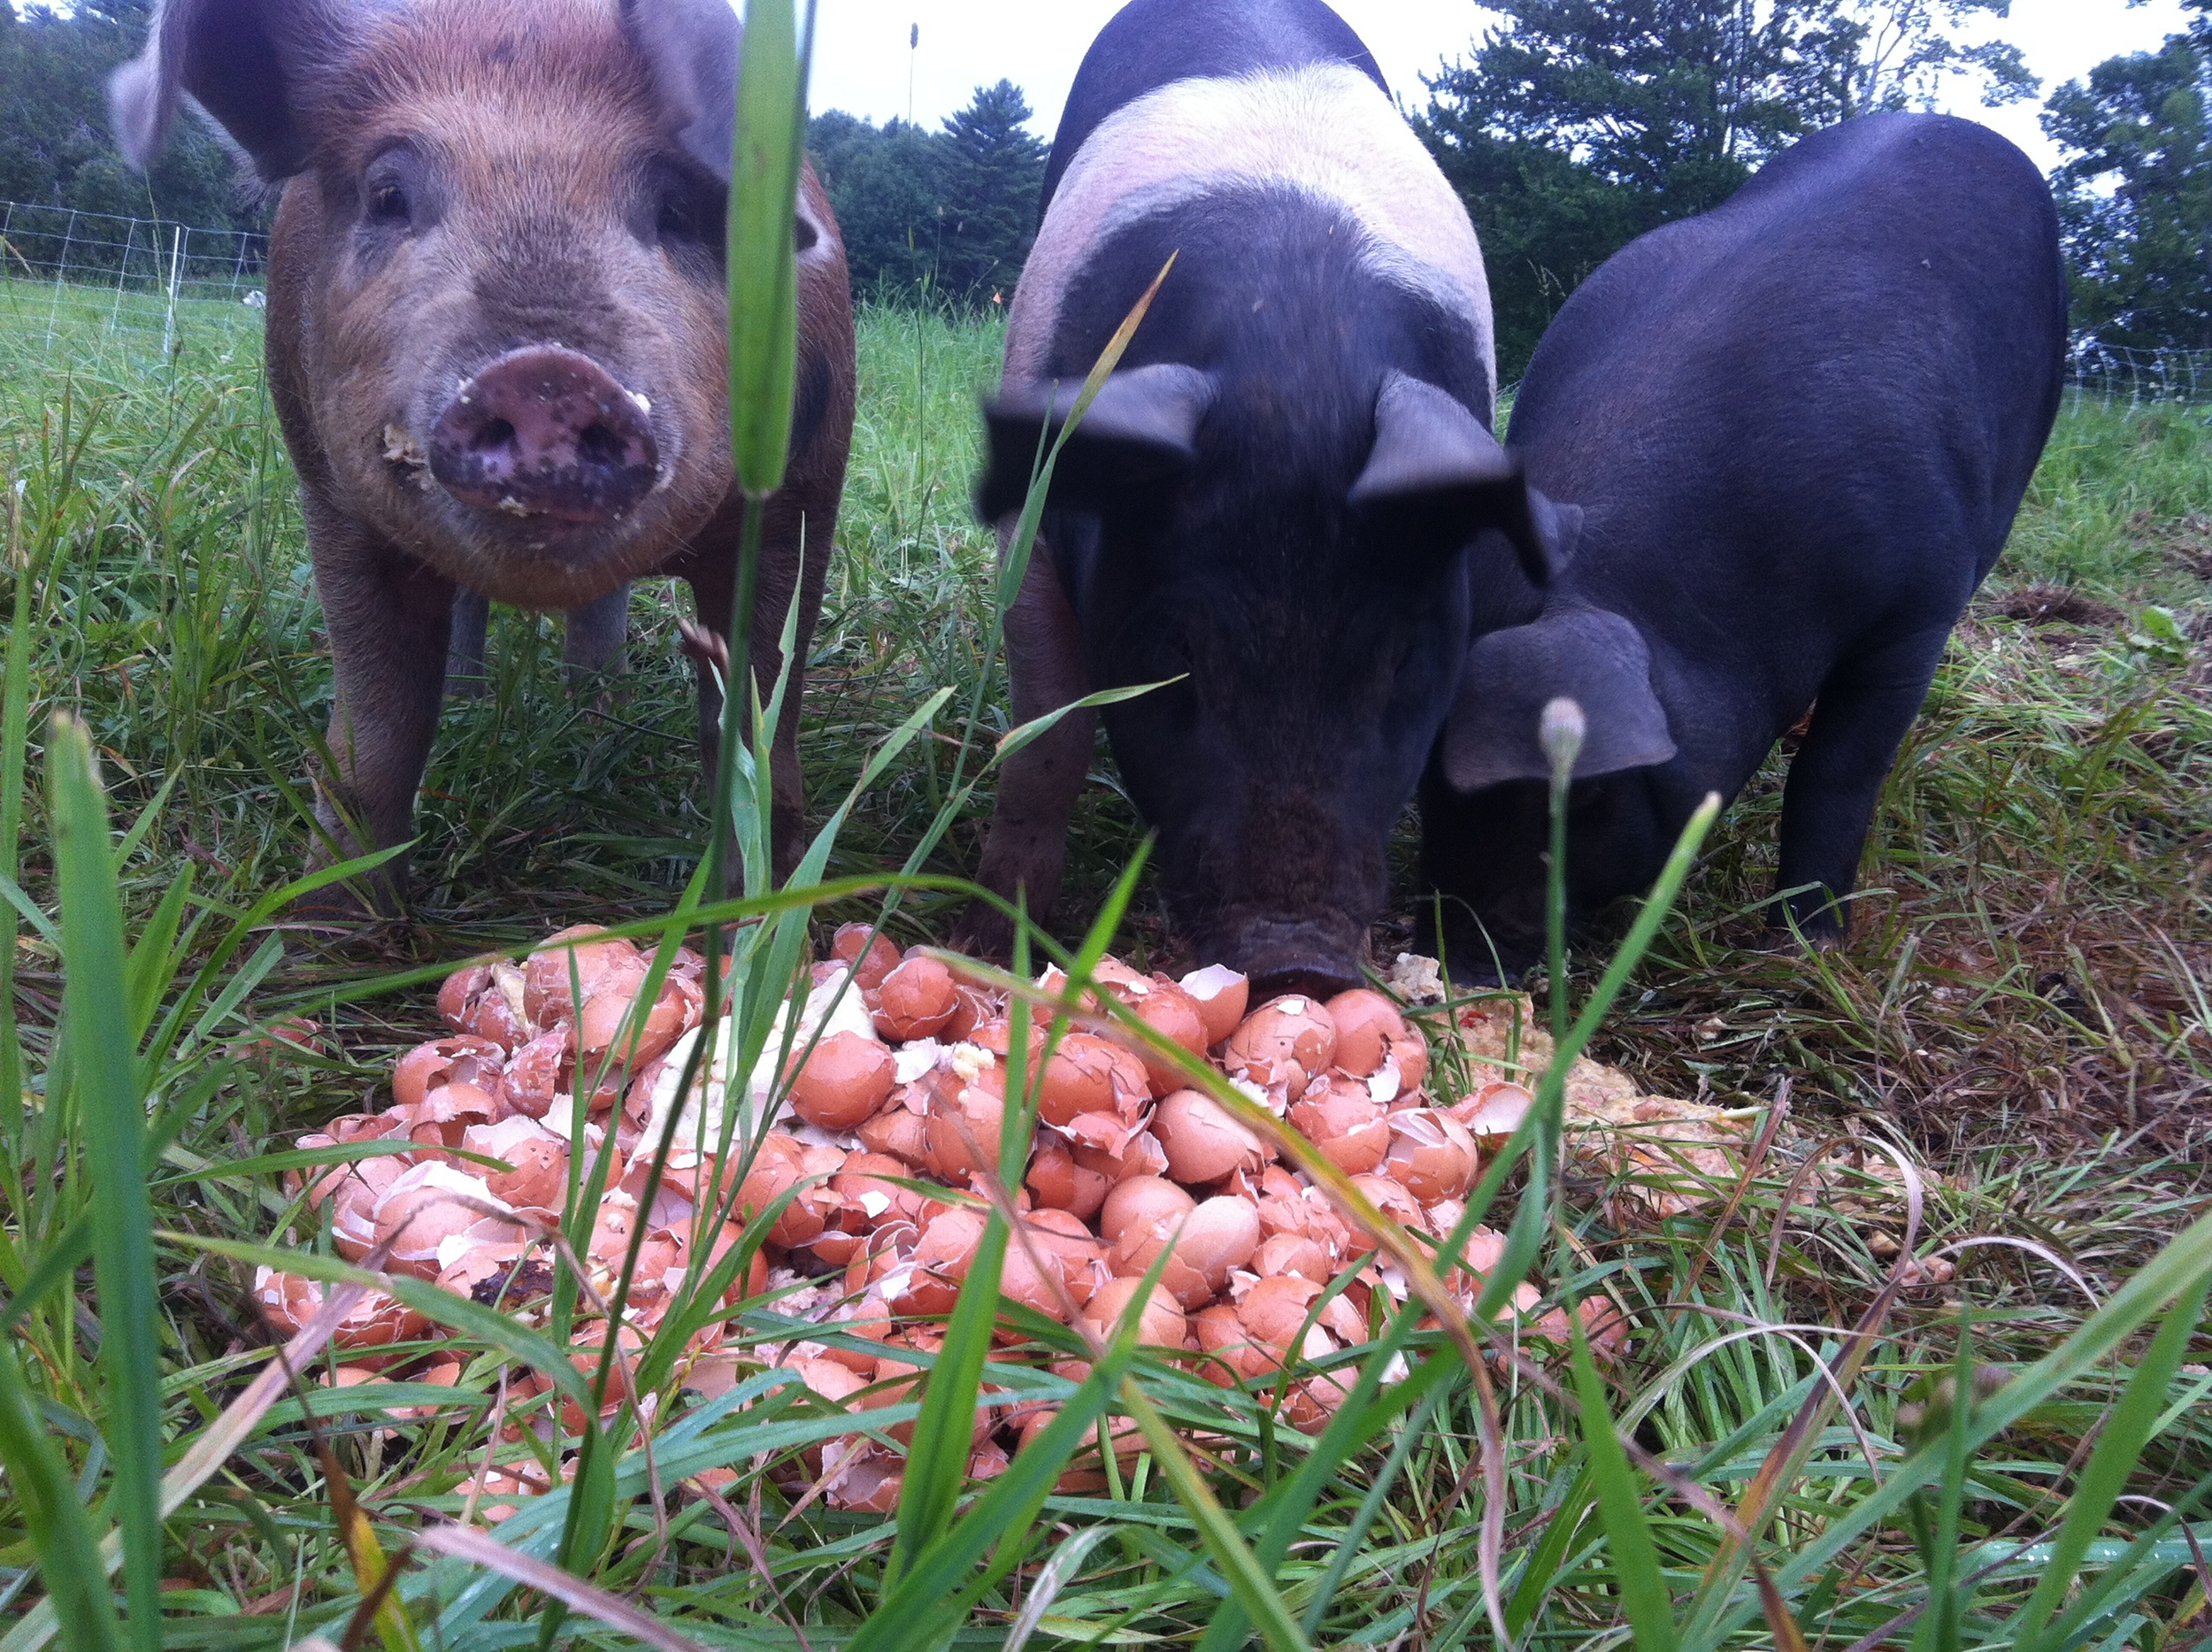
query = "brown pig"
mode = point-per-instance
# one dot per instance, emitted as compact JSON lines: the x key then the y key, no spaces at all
{"x":497,"y":337}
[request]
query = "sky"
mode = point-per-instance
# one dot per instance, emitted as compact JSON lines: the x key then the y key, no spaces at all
{"x":862,"y":63}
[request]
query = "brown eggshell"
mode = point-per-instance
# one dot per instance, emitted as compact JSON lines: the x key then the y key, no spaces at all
{"x":425,"y":1207}
{"x":1493,"y":1113}
{"x":1394,"y":1200}
{"x":869,"y":952}
{"x":537,"y":1159}
{"x":963,"y":1134}
{"x":461,"y":989}
{"x":1147,"y":1199}
{"x":1204,"y":1143}
{"x":565,"y":960}
{"x":1236,"y":1355}
{"x":1430,"y":1154}
{"x":1080,"y":1079}
{"x":1223,"y":1234}
{"x":1293,"y":1253}
{"x":1273,"y":1311}
{"x":462,"y":1058}
{"x":845,"y":1080}
{"x":1287,"y":1041}
{"x":1059,"y":1183}
{"x":1367,"y":1024}
{"x":1174,"y":1014}
{"x":1222,"y":996}
{"x":1141,"y":1244}
{"x":865,"y":1183}
{"x":610,"y":1017}
{"x":1349,"y":1126}
{"x":917,"y":1000}
{"x":1063,"y":1237}
{"x":870,"y":1483}
{"x":898,"y":1133}
{"x":538,"y":1075}
{"x":1139,"y":1156}
{"x":1160,"y":1321}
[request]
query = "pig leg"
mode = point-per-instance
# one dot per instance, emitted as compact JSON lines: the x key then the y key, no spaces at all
{"x":788,"y":530}
{"x":597,"y":632}
{"x":1865,"y":708}
{"x":391,"y":622}
{"x":465,"y":660}
{"x":1028,"y":846}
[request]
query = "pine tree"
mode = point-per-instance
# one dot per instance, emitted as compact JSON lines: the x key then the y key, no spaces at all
{"x":992,"y":171}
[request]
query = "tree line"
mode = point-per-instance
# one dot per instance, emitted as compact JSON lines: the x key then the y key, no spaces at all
{"x":1573,"y":126}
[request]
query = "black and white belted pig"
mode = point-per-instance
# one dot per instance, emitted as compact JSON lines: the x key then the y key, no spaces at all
{"x":1278,"y":500}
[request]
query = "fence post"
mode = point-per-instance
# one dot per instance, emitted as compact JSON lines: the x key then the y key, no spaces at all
{"x":169,"y":321}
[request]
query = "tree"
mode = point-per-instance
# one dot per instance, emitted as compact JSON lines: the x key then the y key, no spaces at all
{"x":992,"y":174}
{"x":951,"y":212}
{"x":2135,"y":196}
{"x":1581,"y":124}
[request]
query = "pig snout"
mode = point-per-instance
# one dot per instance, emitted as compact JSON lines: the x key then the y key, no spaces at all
{"x":1296,"y":956}
{"x":544,"y":431}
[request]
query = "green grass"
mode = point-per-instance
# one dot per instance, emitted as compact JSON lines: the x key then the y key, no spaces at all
{"x":2023,"y":1012}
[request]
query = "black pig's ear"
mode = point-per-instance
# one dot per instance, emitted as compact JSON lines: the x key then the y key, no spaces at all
{"x":692,"y":48}
{"x":1437,"y":473}
{"x":249,"y":63}
{"x":1138,"y":436}
{"x":1594,"y":659}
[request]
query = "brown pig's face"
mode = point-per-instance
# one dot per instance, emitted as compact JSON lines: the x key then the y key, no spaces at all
{"x":515,"y":334}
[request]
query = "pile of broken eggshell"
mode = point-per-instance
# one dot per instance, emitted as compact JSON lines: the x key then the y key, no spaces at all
{"x":896,"y":1083}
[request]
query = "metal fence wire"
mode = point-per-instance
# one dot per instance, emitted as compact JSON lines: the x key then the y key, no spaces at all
{"x":79,"y":276}
{"x":2119,"y":372}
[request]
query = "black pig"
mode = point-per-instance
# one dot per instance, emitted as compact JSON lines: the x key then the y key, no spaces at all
{"x":1274,"y":498}
{"x":1798,"y":429}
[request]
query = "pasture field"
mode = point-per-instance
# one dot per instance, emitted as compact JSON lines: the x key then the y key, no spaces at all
{"x":2023,"y":1015}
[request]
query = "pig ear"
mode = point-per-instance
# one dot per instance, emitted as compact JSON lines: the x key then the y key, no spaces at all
{"x":248,"y":63}
{"x":691,"y":46}
{"x":1436,"y":471}
{"x":1138,"y":437}
{"x":1594,"y":659}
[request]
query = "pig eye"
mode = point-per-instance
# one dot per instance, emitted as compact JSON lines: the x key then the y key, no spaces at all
{"x":388,"y":203}
{"x":677,"y":219}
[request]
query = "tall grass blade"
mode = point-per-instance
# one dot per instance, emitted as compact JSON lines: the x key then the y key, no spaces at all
{"x":482,"y":1549}
{"x":58,"y":1525}
{"x":1633,"y":1558}
{"x":15,"y":693}
{"x":2118,"y":1454}
{"x":769,"y":141}
{"x":94,"y":1006}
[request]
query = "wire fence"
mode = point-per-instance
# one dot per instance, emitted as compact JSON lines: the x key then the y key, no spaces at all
{"x":75,"y":281}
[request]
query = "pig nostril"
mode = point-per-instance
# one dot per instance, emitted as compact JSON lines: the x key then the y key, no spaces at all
{"x":495,"y":433}
{"x":595,"y":444}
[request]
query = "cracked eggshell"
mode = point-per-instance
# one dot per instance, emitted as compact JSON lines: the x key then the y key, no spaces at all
{"x":843,"y":1081}
{"x":1086,"y":1074}
{"x":1293,"y":1253}
{"x":899,"y":1134}
{"x":610,"y":1017}
{"x":427,"y":1205}
{"x":537,"y":1161}
{"x":1143,"y":1243}
{"x":1139,"y":1155}
{"x":1372,"y":1035}
{"x":963,"y":1134}
{"x":917,"y":1000}
{"x":1222,"y":996}
{"x":1221,"y":1235}
{"x":1236,"y":1355}
{"x":832,"y":1007}
{"x":567,"y":959}
{"x":538,"y":1075}
{"x":1142,"y":1199}
{"x":865,"y":1183}
{"x":460,"y":991}
{"x":462,"y":1058}
{"x":1494,"y":1113}
{"x":1174,"y":1014}
{"x":1204,"y":1143}
{"x":1058,"y":1183}
{"x":1160,"y":1321}
{"x":1287,"y":1041}
{"x":1394,"y":1200}
{"x":1347,"y":1124}
{"x":1066,"y":1240}
{"x":867,"y":952}
{"x":1430,"y":1154}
